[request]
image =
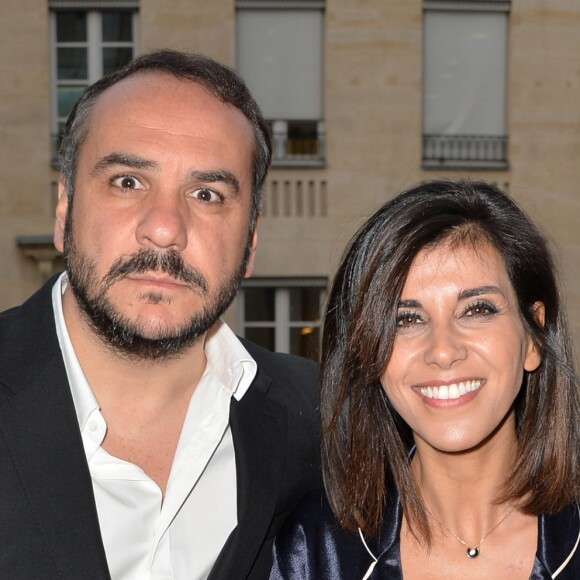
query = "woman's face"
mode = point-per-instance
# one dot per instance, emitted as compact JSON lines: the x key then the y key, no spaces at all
{"x":461,"y":348}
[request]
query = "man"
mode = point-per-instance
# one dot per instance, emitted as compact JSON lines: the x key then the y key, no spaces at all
{"x":139,"y":438}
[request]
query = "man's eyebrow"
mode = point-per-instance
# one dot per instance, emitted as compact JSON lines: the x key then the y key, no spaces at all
{"x":218,"y":176}
{"x":474,"y":292}
{"x":123,"y":159}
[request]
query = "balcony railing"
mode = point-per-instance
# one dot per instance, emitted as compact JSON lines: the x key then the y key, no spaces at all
{"x":483,"y":5}
{"x":308,"y":4}
{"x":485,"y":151}
{"x":298,"y":143}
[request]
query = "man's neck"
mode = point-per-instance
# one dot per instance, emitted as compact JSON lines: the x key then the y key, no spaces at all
{"x":144,"y":402}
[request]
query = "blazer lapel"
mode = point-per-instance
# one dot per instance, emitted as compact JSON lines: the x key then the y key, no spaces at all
{"x":259,"y":434}
{"x":40,"y":429}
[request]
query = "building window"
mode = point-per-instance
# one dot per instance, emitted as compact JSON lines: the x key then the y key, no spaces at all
{"x":282,"y":315}
{"x":465,"y":83}
{"x":86,"y":44}
{"x":279,"y":46}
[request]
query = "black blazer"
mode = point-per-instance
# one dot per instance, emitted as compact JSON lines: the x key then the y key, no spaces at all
{"x":311,"y":544}
{"x":48,"y":520}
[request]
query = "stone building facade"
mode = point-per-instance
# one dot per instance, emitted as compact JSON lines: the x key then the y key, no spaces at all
{"x":365,"y":98}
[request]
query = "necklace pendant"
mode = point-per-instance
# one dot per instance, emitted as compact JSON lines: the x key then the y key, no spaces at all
{"x":472,"y":552}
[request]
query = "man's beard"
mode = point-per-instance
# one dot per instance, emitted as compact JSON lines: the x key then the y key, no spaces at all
{"x":126,"y":337}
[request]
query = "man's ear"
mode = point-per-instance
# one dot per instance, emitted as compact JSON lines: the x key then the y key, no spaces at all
{"x":533,"y":356}
{"x":60,"y":216}
{"x":252,"y":253}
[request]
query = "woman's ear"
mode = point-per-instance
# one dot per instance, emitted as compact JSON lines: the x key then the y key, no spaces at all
{"x":533,"y":356}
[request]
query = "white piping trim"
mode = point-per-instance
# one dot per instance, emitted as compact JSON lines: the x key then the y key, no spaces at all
{"x":375,"y":559}
{"x":565,"y":562}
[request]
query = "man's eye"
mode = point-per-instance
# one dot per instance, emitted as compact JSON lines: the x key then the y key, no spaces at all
{"x":206,"y":195}
{"x":127,"y":182}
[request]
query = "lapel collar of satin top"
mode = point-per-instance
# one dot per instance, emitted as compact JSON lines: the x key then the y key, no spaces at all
{"x":559,"y":541}
{"x":39,"y":426}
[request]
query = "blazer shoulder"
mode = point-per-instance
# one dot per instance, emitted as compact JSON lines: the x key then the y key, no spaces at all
{"x":28,"y":334}
{"x":37,"y":308}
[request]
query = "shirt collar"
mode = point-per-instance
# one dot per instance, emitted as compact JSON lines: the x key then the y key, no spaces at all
{"x":83,"y":397}
{"x":226,"y":357}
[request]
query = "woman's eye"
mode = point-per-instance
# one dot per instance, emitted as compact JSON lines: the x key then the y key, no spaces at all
{"x":480,"y":309}
{"x":206,"y":195}
{"x":127,"y":182}
{"x":408,"y":319}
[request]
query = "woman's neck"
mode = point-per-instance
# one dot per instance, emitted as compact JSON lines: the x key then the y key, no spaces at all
{"x":462,"y":490}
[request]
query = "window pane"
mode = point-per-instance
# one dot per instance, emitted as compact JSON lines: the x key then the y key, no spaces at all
{"x":305,"y":342}
{"x":280,"y":56}
{"x":115,"y":58}
{"x":259,"y":304}
{"x":303,"y":137}
{"x":67,"y":97}
{"x":71,"y":27}
{"x":304,"y":304}
{"x":117,"y":27}
{"x":72,"y":63}
{"x":465,"y":68}
{"x":262,"y":336}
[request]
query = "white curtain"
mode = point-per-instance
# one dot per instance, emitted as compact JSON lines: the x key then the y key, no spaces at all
{"x":464,"y":72}
{"x":279,"y":55}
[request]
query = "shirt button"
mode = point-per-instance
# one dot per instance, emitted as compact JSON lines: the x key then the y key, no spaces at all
{"x":93,"y":425}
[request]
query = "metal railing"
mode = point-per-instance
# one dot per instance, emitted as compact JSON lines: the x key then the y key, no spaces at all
{"x":298,"y":148}
{"x":465,"y":150}
{"x":318,"y":4}
{"x":483,"y":5}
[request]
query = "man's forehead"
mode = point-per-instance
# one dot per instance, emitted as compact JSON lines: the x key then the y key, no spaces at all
{"x":142,"y":86}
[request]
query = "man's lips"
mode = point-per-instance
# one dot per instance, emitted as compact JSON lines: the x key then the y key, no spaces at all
{"x":452,"y":390}
{"x":157,"y":279}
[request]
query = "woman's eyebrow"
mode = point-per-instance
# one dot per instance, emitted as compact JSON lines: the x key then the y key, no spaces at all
{"x":478,"y":291}
{"x":409,"y":304}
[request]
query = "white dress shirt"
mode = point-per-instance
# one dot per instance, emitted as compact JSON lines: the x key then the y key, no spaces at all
{"x":179,"y":536}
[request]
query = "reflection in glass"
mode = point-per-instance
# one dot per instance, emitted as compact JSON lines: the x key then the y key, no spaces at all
{"x":117,"y":27}
{"x":259,"y":304}
{"x":72,"y":63}
{"x":115,"y":58}
{"x":71,"y":27}
{"x":67,"y":97}
{"x":305,"y":341}
{"x":262,"y":336}
{"x":304,"y":303}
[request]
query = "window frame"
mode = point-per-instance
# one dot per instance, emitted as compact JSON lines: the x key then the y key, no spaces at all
{"x":465,"y":150}
{"x":94,"y":45}
{"x":288,"y":151}
{"x":282,"y":323}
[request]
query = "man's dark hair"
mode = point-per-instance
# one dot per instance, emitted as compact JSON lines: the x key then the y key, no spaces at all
{"x":365,"y":442}
{"x":217,"y":79}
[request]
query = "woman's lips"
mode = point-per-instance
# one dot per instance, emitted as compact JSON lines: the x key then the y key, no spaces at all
{"x":451,"y":390}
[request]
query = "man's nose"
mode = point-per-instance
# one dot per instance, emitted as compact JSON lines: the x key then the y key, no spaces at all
{"x":162,"y":224}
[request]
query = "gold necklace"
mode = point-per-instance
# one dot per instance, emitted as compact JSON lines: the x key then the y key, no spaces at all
{"x":473,"y":551}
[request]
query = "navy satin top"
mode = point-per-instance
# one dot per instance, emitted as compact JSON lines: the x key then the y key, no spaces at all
{"x":312,"y":546}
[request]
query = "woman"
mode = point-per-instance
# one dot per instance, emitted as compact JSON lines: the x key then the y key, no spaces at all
{"x":449,"y":404}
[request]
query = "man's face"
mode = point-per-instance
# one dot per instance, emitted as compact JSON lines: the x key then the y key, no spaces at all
{"x":157,"y":238}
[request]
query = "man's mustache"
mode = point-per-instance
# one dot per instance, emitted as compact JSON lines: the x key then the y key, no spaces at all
{"x":147,"y":260}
